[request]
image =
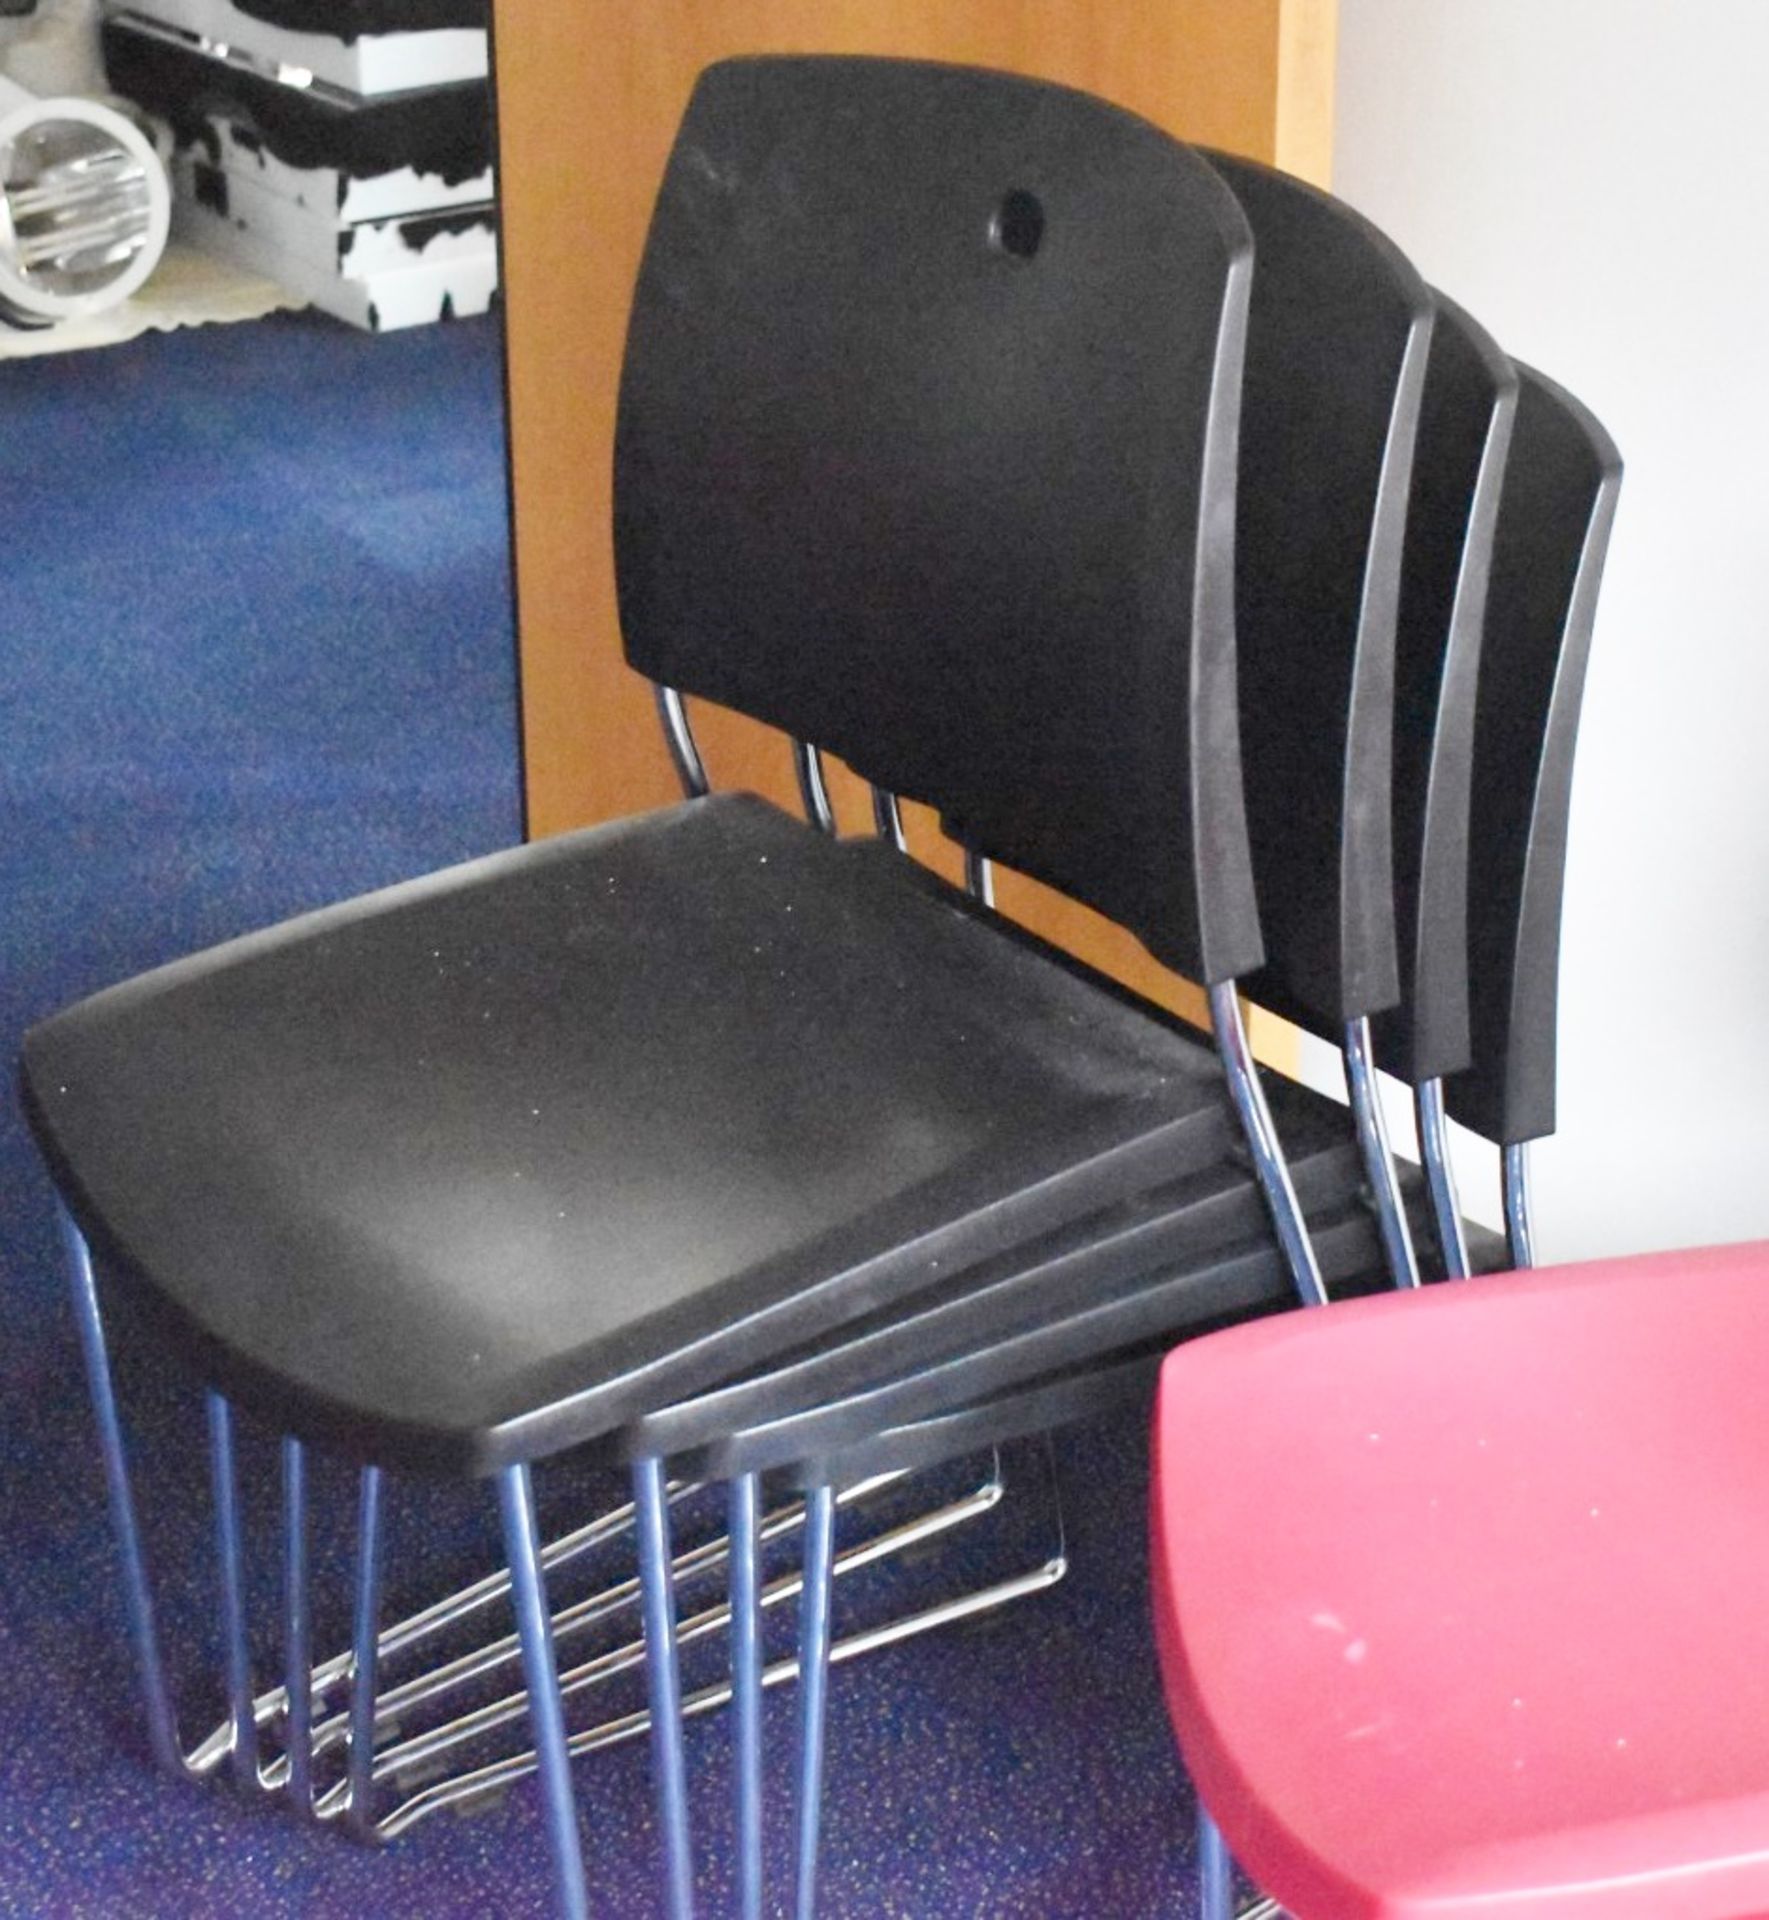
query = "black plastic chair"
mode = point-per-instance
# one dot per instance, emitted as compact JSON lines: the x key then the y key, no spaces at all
{"x":1195,"y":1255}
{"x":1052,"y":1363}
{"x":1467,"y":418}
{"x":463,"y":1174}
{"x":1555,"y":515}
{"x":1334,"y":376}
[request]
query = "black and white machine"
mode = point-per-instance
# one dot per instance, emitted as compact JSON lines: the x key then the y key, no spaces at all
{"x":339,"y":147}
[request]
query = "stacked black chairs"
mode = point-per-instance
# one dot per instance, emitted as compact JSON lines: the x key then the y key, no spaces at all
{"x":1555,"y":514}
{"x":1021,"y":1346}
{"x":1467,"y":419}
{"x":487,"y":1167}
{"x":709,"y":1136}
{"x":1541,"y":558}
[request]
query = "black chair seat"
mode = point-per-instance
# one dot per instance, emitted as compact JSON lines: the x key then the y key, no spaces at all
{"x":478,"y":1167}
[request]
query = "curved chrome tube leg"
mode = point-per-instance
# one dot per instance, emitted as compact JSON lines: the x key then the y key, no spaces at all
{"x":813,"y":1687}
{"x":679,"y":737}
{"x":231,"y":1560}
{"x":658,"y":1594}
{"x":979,"y":878}
{"x":746,"y":1687}
{"x":1372,"y":1140}
{"x":1262,"y":1139}
{"x":297,"y":1625}
{"x":1518,"y":1231}
{"x":807,"y":763}
{"x":1440,"y":1177}
{"x":162,"y":1727}
{"x":546,"y":1714}
{"x":887,"y":818}
{"x":635,"y":1725}
{"x":1216,"y":1874}
{"x":365,"y":1636}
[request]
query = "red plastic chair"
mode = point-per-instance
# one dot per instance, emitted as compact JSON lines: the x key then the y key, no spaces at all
{"x":1440,"y":1579}
{"x":1459,"y":1595}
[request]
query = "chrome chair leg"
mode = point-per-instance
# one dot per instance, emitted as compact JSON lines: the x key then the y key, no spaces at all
{"x":1440,"y":1177}
{"x":162,"y":1727}
{"x":807,"y":763}
{"x":364,"y":1648}
{"x":1269,"y":1164}
{"x":887,"y":818}
{"x":746,"y":1688}
{"x":814,"y":1610}
{"x":297,"y":1626}
{"x":679,"y":737}
{"x":230,"y":1556}
{"x":1519,"y":1232}
{"x":1216,"y":1876}
{"x":663,"y":1676}
{"x":545,"y":1712}
{"x":1372,"y":1139}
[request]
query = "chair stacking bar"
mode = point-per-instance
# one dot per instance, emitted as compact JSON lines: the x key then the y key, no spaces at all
{"x":1555,"y":512}
{"x":489,"y":1166}
{"x":415,"y":1754}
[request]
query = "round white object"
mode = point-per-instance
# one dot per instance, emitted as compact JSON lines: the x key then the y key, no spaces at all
{"x":84,"y":207}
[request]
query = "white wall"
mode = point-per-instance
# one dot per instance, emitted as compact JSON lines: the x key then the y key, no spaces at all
{"x":1591,"y":179}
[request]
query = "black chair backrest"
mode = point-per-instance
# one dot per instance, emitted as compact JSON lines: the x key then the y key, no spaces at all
{"x":926,"y":454}
{"x":1336,"y":352}
{"x":1555,"y":513}
{"x":1465,"y":422}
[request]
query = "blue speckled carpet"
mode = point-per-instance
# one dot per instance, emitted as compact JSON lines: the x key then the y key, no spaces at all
{"x":256,"y":655}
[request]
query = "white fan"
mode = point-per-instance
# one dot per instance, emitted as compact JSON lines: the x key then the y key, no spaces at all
{"x":84,"y":207}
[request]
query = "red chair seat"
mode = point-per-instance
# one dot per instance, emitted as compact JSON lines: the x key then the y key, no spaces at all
{"x":1463,"y":1597}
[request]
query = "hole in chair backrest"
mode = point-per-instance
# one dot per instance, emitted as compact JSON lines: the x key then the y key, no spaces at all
{"x":1017,"y":226}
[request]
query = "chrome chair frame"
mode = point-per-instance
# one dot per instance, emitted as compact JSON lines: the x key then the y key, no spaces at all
{"x":300,"y":1708}
{"x":237,"y":1741}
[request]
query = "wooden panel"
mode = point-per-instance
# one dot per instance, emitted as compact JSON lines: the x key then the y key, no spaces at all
{"x":589,"y":95}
